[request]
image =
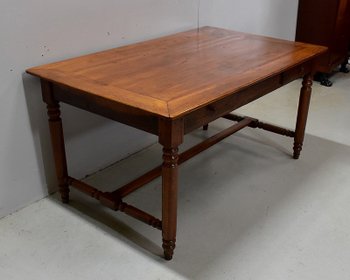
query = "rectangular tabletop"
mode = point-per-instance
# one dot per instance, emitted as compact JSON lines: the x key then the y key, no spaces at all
{"x":177,"y":74}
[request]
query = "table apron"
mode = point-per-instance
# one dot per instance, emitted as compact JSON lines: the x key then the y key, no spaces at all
{"x":118,"y":112}
{"x":149,"y":122}
{"x":222,"y":107}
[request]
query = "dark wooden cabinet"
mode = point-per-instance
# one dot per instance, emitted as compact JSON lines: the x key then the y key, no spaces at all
{"x":327,"y":23}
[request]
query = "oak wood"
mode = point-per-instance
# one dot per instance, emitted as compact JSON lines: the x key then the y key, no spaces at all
{"x":140,"y":215}
{"x":85,"y":188}
{"x":169,"y":199}
{"x":115,"y":203}
{"x":265,"y":126}
{"x":138,"y":182}
{"x":188,"y":154}
{"x":174,"y":75}
{"x":171,"y":133}
{"x":303,"y":109}
{"x":57,"y":139}
{"x":125,"y":114}
{"x":169,"y":87}
{"x":221,"y":107}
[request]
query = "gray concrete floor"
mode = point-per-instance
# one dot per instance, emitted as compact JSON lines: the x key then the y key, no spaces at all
{"x":246,"y":209}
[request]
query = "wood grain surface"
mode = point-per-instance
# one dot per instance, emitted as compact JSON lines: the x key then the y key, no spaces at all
{"x":174,"y":75}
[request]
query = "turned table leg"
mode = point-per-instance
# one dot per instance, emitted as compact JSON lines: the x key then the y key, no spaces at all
{"x":57,"y":140}
{"x":303,"y":109}
{"x":171,"y":134}
{"x":169,"y":198}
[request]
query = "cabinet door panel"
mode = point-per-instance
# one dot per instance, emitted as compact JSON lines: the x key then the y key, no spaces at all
{"x":340,"y":41}
{"x":316,"y":21}
{"x":327,"y":23}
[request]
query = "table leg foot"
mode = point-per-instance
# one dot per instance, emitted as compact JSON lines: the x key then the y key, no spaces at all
{"x":205,"y":127}
{"x":64,"y":191}
{"x":297,"y":149}
{"x":168,"y":246}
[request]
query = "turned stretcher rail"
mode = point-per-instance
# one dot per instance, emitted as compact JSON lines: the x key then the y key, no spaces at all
{"x":195,"y":150}
{"x":113,"y":199}
{"x":242,"y":122}
{"x":265,"y":126}
{"x":115,"y":203}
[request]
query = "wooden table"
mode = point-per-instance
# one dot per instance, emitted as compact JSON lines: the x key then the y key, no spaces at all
{"x":169,"y":87}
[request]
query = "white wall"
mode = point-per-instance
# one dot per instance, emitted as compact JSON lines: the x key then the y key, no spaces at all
{"x":275,"y":18}
{"x":34,"y":32}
